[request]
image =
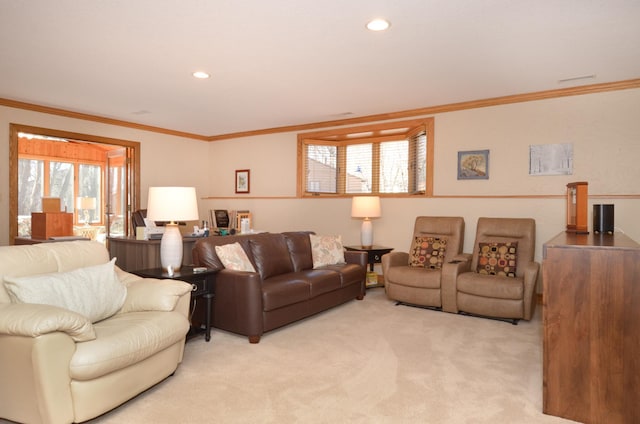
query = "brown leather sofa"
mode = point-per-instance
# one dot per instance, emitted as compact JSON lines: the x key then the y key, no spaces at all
{"x":285,"y":287}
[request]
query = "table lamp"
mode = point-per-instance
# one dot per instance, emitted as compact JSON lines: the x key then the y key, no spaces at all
{"x":172,"y":204}
{"x":366,"y":207}
{"x":86,"y":204}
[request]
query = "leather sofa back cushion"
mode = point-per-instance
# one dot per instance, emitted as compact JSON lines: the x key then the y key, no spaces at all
{"x":300,"y":250}
{"x":271,"y":255}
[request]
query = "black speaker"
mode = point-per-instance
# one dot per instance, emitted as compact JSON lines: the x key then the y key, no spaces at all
{"x":603,"y":219}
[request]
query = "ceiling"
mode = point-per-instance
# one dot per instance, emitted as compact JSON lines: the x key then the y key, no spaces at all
{"x":281,"y":63}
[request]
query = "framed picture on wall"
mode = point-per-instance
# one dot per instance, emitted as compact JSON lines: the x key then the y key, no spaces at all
{"x":473,"y":165}
{"x":242,"y":181}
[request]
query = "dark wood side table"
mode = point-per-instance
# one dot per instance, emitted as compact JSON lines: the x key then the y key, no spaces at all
{"x":374,"y":254}
{"x":203,"y":286}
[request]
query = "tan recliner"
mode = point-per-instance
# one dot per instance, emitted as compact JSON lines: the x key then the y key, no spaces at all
{"x":424,"y":285}
{"x":498,"y":296}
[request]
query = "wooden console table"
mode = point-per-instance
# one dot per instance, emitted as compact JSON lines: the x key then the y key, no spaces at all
{"x":591,"y":318}
{"x":135,"y":254}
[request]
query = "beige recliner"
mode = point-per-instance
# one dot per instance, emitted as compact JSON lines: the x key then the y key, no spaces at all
{"x":60,"y":366}
{"x":500,"y":280}
{"x":417,"y":277}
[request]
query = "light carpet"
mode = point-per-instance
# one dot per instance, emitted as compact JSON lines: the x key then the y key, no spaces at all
{"x":365,"y":361}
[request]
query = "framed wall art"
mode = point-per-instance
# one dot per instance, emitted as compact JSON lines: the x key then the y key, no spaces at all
{"x":473,"y":165}
{"x":242,"y":181}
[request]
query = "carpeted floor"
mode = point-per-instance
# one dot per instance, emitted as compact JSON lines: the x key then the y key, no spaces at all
{"x":363,"y":362}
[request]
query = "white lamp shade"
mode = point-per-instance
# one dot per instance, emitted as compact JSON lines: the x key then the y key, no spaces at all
{"x":365,"y":207}
{"x":172,"y":204}
{"x":86,"y":203}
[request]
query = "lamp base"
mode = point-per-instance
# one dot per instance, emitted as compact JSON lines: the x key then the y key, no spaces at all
{"x":366,"y":233}
{"x":171,"y":248}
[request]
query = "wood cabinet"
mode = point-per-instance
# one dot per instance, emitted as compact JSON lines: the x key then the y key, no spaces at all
{"x":51,"y":224}
{"x":133,"y":254}
{"x":591,"y":318}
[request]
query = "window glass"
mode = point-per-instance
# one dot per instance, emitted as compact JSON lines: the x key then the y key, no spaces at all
{"x":61,"y":183}
{"x":359,"y":168}
{"x":388,"y":158}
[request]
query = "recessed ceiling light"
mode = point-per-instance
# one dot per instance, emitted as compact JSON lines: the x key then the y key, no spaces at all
{"x":378,"y":25}
{"x":201,"y":75}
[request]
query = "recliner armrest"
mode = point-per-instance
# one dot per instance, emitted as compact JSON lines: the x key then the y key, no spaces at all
{"x":33,"y":320}
{"x":459,"y":264}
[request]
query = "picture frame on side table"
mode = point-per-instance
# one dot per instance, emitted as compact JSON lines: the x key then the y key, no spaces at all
{"x":473,"y":165}
{"x":242,"y":180}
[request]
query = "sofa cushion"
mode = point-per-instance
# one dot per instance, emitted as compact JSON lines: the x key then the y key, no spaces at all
{"x":94,"y":292}
{"x":124,"y":340}
{"x":299,"y":245}
{"x":349,"y":273}
{"x":284,"y":290}
{"x":234,"y":257}
{"x":321,"y":280}
{"x":498,"y":258}
{"x":428,"y":252}
{"x":271,"y":255}
{"x":326,"y":250}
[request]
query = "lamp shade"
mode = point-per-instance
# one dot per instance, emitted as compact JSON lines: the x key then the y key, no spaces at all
{"x":86,"y":203}
{"x":172,"y":204}
{"x":365,"y":207}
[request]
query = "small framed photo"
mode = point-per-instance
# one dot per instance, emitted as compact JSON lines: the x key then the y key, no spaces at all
{"x":242,"y":181}
{"x":473,"y":165}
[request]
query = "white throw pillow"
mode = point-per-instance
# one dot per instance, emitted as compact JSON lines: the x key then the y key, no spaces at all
{"x":234,"y":257}
{"x":326,"y":250}
{"x":94,"y":292}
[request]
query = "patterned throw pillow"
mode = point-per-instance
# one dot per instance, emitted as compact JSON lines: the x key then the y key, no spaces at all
{"x":428,"y":252}
{"x":326,"y":250}
{"x":233,"y":257}
{"x":498,"y":259}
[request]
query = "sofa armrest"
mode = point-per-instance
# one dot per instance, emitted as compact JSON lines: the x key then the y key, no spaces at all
{"x":151,"y":294}
{"x":35,"y":384}
{"x":450,"y":271}
{"x":238,"y":303}
{"x":356,"y":257}
{"x":33,"y":320}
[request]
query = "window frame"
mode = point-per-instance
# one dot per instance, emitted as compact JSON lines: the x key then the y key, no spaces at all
{"x":370,"y":133}
{"x":132,"y":163}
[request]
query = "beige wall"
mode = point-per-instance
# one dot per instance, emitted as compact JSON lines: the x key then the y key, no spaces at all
{"x":165,"y":160}
{"x":604,"y":129}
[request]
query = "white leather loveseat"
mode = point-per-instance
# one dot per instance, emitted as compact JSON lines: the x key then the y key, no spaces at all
{"x":114,"y":336}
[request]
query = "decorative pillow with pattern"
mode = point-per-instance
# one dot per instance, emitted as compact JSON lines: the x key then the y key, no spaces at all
{"x":326,"y":250}
{"x":498,"y":259}
{"x":234,"y":257}
{"x":428,"y":252}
